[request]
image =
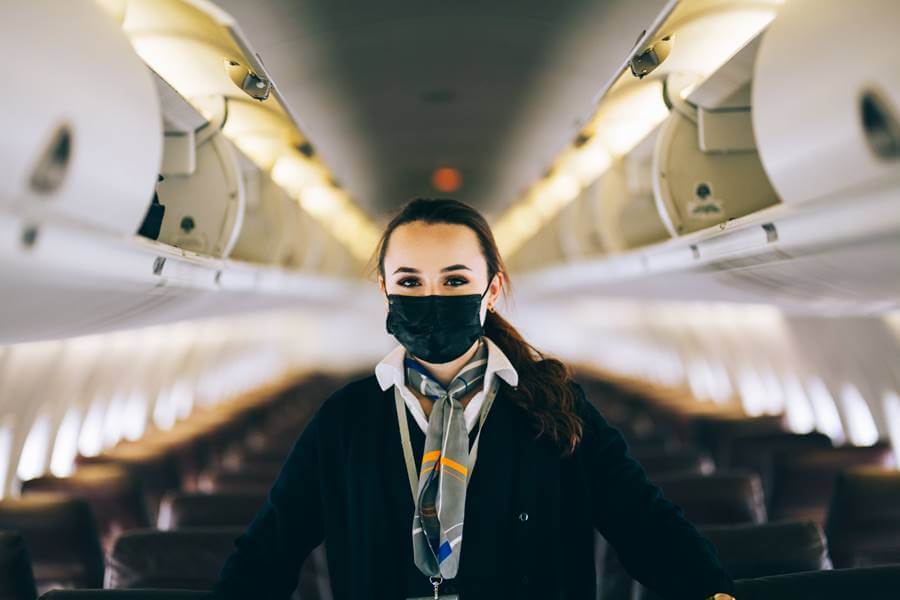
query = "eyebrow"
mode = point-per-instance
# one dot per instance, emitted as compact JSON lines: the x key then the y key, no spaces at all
{"x":456,"y":267}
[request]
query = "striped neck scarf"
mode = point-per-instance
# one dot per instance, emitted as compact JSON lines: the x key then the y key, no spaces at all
{"x":441,"y":500}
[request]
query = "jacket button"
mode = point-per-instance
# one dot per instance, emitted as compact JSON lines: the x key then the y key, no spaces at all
{"x":523,"y":516}
{"x":524,"y":579}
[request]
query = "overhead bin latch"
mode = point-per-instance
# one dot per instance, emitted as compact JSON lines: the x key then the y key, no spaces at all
{"x":644,"y":62}
{"x":255,"y":86}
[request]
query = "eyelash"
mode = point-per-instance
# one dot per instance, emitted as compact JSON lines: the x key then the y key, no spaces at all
{"x":462,"y":281}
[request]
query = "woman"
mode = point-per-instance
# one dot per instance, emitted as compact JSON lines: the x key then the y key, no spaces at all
{"x":414,"y":500}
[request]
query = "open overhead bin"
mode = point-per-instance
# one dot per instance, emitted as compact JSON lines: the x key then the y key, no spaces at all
{"x":826,"y":98}
{"x":706,"y":169}
{"x":82,"y":136}
{"x":133,"y":195}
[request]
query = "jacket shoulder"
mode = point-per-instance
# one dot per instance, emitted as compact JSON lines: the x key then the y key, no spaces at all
{"x":595,"y":424}
{"x":354,"y":398}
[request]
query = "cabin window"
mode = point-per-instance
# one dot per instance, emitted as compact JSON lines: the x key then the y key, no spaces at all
{"x":752,"y":390}
{"x":90,"y":438}
{"x":33,"y":459}
{"x":65,"y":448}
{"x":827,"y":419}
{"x":135,"y":418}
{"x":164,"y":409}
{"x":861,"y":427}
{"x":113,"y":420}
{"x":698,"y":379}
{"x":773,"y":395}
{"x":6,"y":439}
{"x":800,"y":416}
{"x":183,"y":399}
{"x":892,"y":414}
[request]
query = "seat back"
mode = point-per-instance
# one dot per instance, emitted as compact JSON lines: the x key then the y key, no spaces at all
{"x":755,"y":453}
{"x":771,"y":548}
{"x":716,"y":434}
{"x":723,"y":498}
{"x":255,"y":476}
{"x":178,"y":510}
{"x":683,"y":461}
{"x":155,"y":468}
{"x":16,"y":578}
{"x":765,"y":549}
{"x":126,"y":595}
{"x":187,"y":559}
{"x":61,"y":537}
{"x":803,"y":481}
{"x":112,"y":492}
{"x":837,"y":584}
{"x":863,"y":523}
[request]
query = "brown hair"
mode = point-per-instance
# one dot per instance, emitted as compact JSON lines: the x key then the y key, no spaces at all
{"x":542,"y":390}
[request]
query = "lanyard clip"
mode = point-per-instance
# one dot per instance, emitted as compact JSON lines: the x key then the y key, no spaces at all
{"x":436,"y":581}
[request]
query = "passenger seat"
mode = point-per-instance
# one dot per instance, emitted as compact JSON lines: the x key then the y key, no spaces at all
{"x":111,"y":491}
{"x":61,"y":537}
{"x":747,"y":551}
{"x":803,"y":481}
{"x":188,"y":559}
{"x":723,"y":498}
{"x":16,"y":578}
{"x":189,"y":509}
{"x":838,"y":584}
{"x":863,"y":523}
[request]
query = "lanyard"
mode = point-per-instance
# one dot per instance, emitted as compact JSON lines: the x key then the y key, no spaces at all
{"x":411,"y":470}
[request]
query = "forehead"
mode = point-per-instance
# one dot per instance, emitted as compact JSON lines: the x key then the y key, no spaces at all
{"x":432,"y":246}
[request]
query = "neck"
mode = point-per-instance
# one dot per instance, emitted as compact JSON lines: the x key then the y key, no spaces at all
{"x":445,"y":372}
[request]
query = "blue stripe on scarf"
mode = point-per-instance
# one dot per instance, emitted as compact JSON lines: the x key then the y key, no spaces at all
{"x":420,"y":368}
{"x":444,"y":551}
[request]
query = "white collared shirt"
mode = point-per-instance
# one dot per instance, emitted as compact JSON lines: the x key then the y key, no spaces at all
{"x":390,"y":371}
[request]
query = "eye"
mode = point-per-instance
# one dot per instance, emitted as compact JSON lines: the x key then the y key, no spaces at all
{"x":455,"y":281}
{"x":412,"y":281}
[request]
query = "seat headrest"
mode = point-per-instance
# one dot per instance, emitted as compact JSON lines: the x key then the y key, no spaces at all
{"x":837,"y":584}
{"x":723,"y":498}
{"x":769,"y":548}
{"x":87,"y":480}
{"x":188,"y":509}
{"x":184,"y":559}
{"x":683,"y":461}
{"x":60,"y":517}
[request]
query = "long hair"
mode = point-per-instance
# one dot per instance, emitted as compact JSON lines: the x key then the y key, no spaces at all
{"x":543,"y":390}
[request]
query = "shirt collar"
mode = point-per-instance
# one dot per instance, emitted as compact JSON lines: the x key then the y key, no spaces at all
{"x":390,"y":371}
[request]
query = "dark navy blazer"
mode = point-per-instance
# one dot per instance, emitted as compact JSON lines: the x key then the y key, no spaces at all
{"x":529,"y":522}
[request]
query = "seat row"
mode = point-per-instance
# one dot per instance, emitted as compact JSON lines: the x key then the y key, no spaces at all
{"x":765,"y":497}
{"x":136,"y":513}
{"x":132,"y":517}
{"x":839,"y":584}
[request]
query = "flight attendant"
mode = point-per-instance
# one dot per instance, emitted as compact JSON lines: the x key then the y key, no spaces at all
{"x":468,"y":465}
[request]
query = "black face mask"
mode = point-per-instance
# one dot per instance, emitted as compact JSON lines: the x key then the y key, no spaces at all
{"x":435,"y":328}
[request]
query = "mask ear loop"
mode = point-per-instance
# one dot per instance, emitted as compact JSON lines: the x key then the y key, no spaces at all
{"x":486,"y":290}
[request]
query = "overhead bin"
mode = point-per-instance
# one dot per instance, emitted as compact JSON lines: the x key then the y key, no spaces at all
{"x":837,"y":130}
{"x":706,"y":169}
{"x":81,"y":140}
{"x":275,"y":230}
{"x":627,"y":215}
{"x":205,"y":209}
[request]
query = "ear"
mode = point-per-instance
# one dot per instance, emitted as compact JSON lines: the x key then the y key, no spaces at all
{"x":495,"y":287}
{"x":382,"y":290}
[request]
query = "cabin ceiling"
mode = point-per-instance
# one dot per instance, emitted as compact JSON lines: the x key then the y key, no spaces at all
{"x":388,"y":91}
